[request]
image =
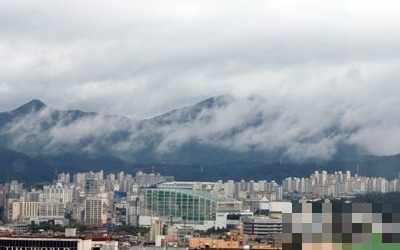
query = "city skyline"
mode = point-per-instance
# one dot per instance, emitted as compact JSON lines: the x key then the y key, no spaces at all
{"x":274,"y":120}
{"x":173,"y":210}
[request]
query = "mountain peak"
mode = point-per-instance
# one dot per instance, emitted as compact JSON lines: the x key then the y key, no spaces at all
{"x":32,"y":106}
{"x":35,"y":104}
{"x":217,"y":101}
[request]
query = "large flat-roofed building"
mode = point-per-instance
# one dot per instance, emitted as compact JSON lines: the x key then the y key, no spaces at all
{"x":20,"y":209}
{"x":26,"y":211}
{"x":194,"y":206}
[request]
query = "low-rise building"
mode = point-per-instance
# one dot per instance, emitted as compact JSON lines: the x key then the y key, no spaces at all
{"x":14,"y":242}
{"x":261,"y":226}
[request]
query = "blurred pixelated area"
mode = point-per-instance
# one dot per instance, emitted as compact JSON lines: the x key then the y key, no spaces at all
{"x":341,"y":226}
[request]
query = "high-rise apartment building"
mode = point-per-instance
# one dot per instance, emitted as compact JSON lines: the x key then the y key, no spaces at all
{"x":94,"y":212}
{"x":58,"y":192}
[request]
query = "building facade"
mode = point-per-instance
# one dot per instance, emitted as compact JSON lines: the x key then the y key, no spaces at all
{"x":59,"y":243}
{"x":192,"y":206}
{"x":94,"y":212}
{"x":261,"y":226}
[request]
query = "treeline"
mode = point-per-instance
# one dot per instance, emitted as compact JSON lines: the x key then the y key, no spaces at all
{"x":48,"y":226}
{"x":377,"y":197}
{"x":131,"y":230}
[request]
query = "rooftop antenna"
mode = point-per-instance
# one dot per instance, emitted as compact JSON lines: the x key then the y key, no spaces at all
{"x":152,"y":169}
{"x":170,"y":220}
{"x":184,"y":218}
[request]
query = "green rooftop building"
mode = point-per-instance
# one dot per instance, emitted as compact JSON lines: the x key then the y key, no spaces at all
{"x":194,"y":206}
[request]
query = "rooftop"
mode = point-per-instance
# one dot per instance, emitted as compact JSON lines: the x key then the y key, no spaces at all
{"x":206,"y":195}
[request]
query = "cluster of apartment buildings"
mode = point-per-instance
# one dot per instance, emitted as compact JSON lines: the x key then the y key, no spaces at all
{"x":338,"y":184}
{"x":98,"y":200}
{"x":173,"y":210}
{"x":93,"y":199}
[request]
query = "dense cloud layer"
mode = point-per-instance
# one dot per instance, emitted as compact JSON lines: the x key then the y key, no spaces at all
{"x":314,"y":67}
{"x":253,"y":124}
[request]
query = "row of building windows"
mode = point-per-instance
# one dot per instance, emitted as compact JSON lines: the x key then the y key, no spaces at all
{"x":195,"y":206}
{"x":72,"y":245}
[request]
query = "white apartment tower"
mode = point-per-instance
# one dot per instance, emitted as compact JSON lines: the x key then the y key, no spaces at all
{"x":58,"y":192}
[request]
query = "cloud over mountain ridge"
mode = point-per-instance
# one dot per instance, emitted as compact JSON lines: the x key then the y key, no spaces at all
{"x":227,"y":127}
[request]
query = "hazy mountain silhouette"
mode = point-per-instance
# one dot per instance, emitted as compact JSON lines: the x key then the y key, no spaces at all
{"x":215,"y":132}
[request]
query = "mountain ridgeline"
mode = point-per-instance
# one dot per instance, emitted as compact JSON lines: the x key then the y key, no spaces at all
{"x":219,"y":138}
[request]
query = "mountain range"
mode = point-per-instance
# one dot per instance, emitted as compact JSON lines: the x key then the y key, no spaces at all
{"x":219,"y":138}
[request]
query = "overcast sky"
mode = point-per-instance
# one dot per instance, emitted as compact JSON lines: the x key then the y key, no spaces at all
{"x":143,"y":58}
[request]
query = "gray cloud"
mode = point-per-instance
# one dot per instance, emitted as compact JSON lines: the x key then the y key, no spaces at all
{"x":314,"y":65}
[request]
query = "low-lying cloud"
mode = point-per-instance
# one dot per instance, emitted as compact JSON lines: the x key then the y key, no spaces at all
{"x":315,"y":130}
{"x":306,"y":76}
